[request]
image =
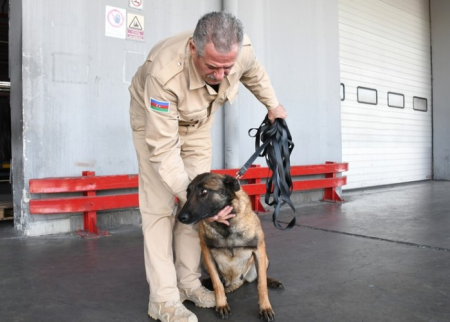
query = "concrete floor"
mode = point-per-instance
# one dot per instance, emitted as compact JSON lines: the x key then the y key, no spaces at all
{"x":384,"y":255}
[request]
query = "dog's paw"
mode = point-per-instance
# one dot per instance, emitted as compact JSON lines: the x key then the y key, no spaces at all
{"x":223,"y":312}
{"x":274,"y":284}
{"x":267,"y":315}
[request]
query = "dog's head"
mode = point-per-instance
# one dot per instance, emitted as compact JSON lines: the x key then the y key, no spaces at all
{"x":207,"y":194}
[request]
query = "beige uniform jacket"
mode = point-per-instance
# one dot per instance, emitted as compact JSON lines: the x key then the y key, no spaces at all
{"x":167,"y":91}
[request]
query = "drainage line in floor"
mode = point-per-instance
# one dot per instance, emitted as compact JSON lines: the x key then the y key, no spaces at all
{"x":441,"y":249}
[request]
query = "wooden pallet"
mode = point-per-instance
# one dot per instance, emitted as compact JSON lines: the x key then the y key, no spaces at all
{"x":6,"y":210}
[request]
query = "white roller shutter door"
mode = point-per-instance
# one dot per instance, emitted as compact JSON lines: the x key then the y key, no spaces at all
{"x":385,"y":60}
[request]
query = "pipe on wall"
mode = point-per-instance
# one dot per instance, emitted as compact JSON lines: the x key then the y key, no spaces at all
{"x":231,"y":116}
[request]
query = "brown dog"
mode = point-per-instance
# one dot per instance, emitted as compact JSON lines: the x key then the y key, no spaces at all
{"x":231,"y":254}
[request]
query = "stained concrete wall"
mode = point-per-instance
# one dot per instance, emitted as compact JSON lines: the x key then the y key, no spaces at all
{"x":15,"y":74}
{"x":74,"y":92}
{"x":440,"y":44}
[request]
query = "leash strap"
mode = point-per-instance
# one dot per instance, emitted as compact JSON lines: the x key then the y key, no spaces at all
{"x":274,"y":142}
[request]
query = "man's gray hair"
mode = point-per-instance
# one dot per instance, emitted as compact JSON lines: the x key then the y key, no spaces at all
{"x":222,"y":29}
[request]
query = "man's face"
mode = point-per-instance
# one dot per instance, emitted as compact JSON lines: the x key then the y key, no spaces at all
{"x":213,"y":66}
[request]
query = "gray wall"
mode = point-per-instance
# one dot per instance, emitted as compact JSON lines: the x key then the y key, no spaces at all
{"x":298,"y":44}
{"x":440,"y":42}
{"x":75,"y":86}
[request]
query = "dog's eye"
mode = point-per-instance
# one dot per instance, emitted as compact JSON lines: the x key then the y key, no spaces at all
{"x":203,"y":192}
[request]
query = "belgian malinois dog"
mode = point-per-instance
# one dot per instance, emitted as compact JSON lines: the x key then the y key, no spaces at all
{"x":232,"y":254}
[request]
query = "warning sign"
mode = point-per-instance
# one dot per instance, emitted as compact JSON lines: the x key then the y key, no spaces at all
{"x":135,"y":24}
{"x":137,"y":4}
{"x":115,"y":22}
{"x":135,"y":27}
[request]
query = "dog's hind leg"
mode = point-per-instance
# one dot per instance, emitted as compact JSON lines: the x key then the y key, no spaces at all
{"x":206,"y":282}
{"x":274,"y":283}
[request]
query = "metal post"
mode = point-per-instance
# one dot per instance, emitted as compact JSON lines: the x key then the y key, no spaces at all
{"x":231,"y":115}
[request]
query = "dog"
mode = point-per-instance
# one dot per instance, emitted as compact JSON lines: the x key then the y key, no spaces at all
{"x":232,"y":254}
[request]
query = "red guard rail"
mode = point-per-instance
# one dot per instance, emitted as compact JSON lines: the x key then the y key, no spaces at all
{"x":89,"y":203}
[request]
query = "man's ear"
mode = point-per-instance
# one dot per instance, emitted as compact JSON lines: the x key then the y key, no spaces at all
{"x":232,"y":183}
{"x":192,"y":48}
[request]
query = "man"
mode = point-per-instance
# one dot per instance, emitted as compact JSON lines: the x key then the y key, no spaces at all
{"x":174,"y":95}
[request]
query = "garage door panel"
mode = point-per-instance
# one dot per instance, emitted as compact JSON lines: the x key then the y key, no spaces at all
{"x":360,"y":39}
{"x":382,"y":113}
{"x":355,"y":58}
{"x":413,"y":87}
{"x":371,"y":23}
{"x":379,"y":36}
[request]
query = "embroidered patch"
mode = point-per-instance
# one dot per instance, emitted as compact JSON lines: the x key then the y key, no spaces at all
{"x":159,"y":106}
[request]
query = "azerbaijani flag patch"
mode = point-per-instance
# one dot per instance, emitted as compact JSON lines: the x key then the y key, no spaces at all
{"x":159,"y":106}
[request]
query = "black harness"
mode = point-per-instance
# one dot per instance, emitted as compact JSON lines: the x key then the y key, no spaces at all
{"x":274,"y":142}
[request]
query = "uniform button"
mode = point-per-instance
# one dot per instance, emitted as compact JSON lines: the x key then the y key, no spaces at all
{"x":179,"y":63}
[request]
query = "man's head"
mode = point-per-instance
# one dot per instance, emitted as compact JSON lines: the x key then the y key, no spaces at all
{"x":216,"y":44}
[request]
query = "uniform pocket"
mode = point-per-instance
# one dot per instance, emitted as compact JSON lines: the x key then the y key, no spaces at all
{"x":137,"y":117}
{"x":193,"y":115}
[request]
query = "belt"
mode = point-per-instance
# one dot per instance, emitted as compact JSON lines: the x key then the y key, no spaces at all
{"x":187,"y":123}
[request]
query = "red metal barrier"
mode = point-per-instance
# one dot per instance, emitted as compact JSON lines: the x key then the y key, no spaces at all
{"x":89,"y":184}
{"x":89,"y":203}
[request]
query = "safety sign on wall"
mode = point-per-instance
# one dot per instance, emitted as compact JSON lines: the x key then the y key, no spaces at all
{"x":135,"y":27}
{"x":115,"y":23}
{"x":137,"y":4}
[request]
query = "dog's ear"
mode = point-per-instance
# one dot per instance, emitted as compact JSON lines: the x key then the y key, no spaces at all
{"x":232,"y":183}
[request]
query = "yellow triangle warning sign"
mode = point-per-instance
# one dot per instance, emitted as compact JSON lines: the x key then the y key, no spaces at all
{"x":135,"y":24}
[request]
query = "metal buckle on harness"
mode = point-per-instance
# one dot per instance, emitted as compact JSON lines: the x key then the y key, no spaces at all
{"x":241,"y":172}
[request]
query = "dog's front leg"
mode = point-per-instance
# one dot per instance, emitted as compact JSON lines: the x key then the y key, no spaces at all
{"x":265,"y":309}
{"x":222,"y":308}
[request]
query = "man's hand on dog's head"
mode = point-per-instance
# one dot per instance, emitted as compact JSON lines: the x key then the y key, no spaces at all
{"x":222,"y":216}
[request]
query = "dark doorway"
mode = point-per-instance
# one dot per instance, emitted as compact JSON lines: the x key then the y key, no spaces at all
{"x":5,"y":116}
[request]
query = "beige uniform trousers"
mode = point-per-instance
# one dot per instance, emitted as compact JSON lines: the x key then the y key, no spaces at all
{"x":166,"y":269}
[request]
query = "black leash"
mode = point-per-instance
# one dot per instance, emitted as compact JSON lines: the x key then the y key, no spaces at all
{"x":274,"y":142}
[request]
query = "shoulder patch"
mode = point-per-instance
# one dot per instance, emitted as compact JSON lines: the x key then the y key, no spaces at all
{"x":159,"y":106}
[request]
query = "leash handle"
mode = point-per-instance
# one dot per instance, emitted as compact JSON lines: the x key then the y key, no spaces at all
{"x":276,"y":147}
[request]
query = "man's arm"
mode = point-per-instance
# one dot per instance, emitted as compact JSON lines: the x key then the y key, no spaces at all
{"x":256,"y":79}
{"x":161,"y":135}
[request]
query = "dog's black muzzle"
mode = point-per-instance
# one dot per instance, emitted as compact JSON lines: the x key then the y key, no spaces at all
{"x":184,"y":218}
{"x":189,"y":217}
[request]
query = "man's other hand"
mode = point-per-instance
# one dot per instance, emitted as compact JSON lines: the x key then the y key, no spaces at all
{"x":278,"y":112}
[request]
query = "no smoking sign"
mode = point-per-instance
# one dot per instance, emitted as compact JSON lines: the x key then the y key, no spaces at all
{"x":137,"y":4}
